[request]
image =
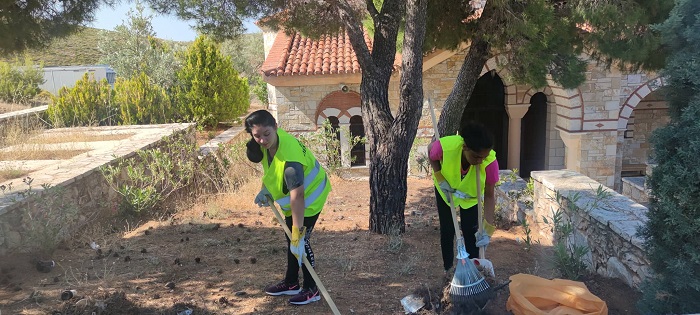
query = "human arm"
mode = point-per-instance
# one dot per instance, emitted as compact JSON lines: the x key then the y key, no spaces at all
{"x":294,"y":181}
{"x":490,"y":194}
{"x":489,"y":203}
{"x":434,"y":157}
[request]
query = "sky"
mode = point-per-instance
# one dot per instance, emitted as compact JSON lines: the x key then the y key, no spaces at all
{"x":166,"y":27}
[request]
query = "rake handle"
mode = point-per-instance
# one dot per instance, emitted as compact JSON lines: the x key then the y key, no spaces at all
{"x":319,"y":284}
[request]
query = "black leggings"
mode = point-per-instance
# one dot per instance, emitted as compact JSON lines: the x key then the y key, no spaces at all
{"x":469,"y":225}
{"x":292,"y":275}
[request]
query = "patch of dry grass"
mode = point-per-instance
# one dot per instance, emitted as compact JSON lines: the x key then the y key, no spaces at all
{"x":77,"y":137}
{"x":11,"y":173}
{"x":15,"y":133}
{"x":11,"y":107}
{"x":30,"y":153}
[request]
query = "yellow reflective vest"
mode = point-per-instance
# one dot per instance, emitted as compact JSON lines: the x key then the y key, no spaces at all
{"x":316,"y":183}
{"x":452,"y":171}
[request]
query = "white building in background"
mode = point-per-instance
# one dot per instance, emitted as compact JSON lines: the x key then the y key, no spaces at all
{"x":57,"y":77}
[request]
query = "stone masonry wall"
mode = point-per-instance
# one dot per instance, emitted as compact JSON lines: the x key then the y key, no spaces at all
{"x":295,"y":107}
{"x":608,"y":230}
{"x":91,"y":192}
{"x":636,"y":145}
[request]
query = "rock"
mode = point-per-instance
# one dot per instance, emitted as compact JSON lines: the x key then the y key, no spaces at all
{"x":45,"y":266}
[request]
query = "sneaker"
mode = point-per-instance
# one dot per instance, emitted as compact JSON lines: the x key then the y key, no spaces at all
{"x":283,"y":288}
{"x":306,"y":296}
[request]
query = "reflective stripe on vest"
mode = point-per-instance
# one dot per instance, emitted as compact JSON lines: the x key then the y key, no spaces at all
{"x":308,"y":179}
{"x":284,"y":202}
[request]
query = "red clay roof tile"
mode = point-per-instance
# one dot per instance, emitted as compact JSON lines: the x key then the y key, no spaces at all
{"x":297,"y":55}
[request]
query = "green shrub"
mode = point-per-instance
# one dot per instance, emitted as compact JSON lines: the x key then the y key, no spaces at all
{"x":88,"y":103}
{"x":141,"y":102}
{"x":148,"y":179}
{"x":325,"y":143}
{"x":209,"y":89}
{"x":260,"y":90}
{"x":19,"y":82}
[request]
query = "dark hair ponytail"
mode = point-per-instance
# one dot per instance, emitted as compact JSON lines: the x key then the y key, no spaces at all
{"x":253,"y":151}
{"x":259,"y":118}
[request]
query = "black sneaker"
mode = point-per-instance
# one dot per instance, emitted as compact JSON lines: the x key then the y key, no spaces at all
{"x":306,"y":296}
{"x":283,"y":288}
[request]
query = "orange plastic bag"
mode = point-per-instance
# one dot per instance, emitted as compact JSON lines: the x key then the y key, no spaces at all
{"x":532,"y":295}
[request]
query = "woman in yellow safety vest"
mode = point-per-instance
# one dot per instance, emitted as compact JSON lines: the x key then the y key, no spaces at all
{"x":298,"y":183}
{"x":452,"y":159}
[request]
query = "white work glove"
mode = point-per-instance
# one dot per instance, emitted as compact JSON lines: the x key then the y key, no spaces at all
{"x":296,"y":244}
{"x":261,"y":198}
{"x":482,"y":239}
{"x":445,"y":187}
{"x":447,"y":190}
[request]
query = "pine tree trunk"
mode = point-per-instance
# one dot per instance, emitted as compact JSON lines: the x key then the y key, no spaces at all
{"x":392,"y":139}
{"x":452,"y":111}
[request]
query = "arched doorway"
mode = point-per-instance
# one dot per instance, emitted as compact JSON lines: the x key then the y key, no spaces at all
{"x":487,"y":106}
{"x":533,"y":136}
{"x":650,"y":113}
{"x":357,"y":153}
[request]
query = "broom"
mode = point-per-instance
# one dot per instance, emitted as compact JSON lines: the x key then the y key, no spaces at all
{"x":319,"y":284}
{"x":468,"y":284}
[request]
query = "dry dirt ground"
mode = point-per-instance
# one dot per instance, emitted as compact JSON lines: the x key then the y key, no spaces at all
{"x":216,"y":258}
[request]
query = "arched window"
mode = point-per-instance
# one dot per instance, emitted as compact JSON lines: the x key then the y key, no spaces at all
{"x":333,"y":149}
{"x":357,"y":129}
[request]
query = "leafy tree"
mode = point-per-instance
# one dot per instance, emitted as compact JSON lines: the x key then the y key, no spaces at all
{"x":34,"y":23}
{"x":133,"y":48}
{"x":247,"y":54}
{"x":544,"y":39}
{"x":209,"y":89}
{"x":670,"y":234}
{"x":19,"y":82}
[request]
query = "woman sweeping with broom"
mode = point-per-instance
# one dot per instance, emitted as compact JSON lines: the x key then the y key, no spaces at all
{"x":456,"y":161}
{"x":298,"y":183}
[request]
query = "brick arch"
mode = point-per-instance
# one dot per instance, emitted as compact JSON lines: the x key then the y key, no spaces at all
{"x":547,"y":91}
{"x":342,"y":105}
{"x":496,"y":64}
{"x":569,"y":101}
{"x":635,"y":97}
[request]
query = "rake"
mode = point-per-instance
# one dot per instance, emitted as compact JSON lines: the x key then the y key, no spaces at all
{"x":319,"y":284}
{"x":468,"y":286}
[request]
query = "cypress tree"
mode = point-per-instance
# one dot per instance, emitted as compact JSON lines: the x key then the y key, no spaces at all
{"x":670,"y":235}
{"x":209,"y":89}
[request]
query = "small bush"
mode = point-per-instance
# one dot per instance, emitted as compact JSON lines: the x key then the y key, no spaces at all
{"x":147,"y":180}
{"x":141,"y":102}
{"x":325,"y":143}
{"x":19,"y":82}
{"x":88,"y":103}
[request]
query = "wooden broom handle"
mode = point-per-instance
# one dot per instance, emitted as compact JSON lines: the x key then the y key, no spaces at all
{"x":319,"y":284}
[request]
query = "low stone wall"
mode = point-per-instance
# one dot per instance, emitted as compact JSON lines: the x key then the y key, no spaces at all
{"x":81,"y":182}
{"x":609,"y":229}
{"x":634,"y":187}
